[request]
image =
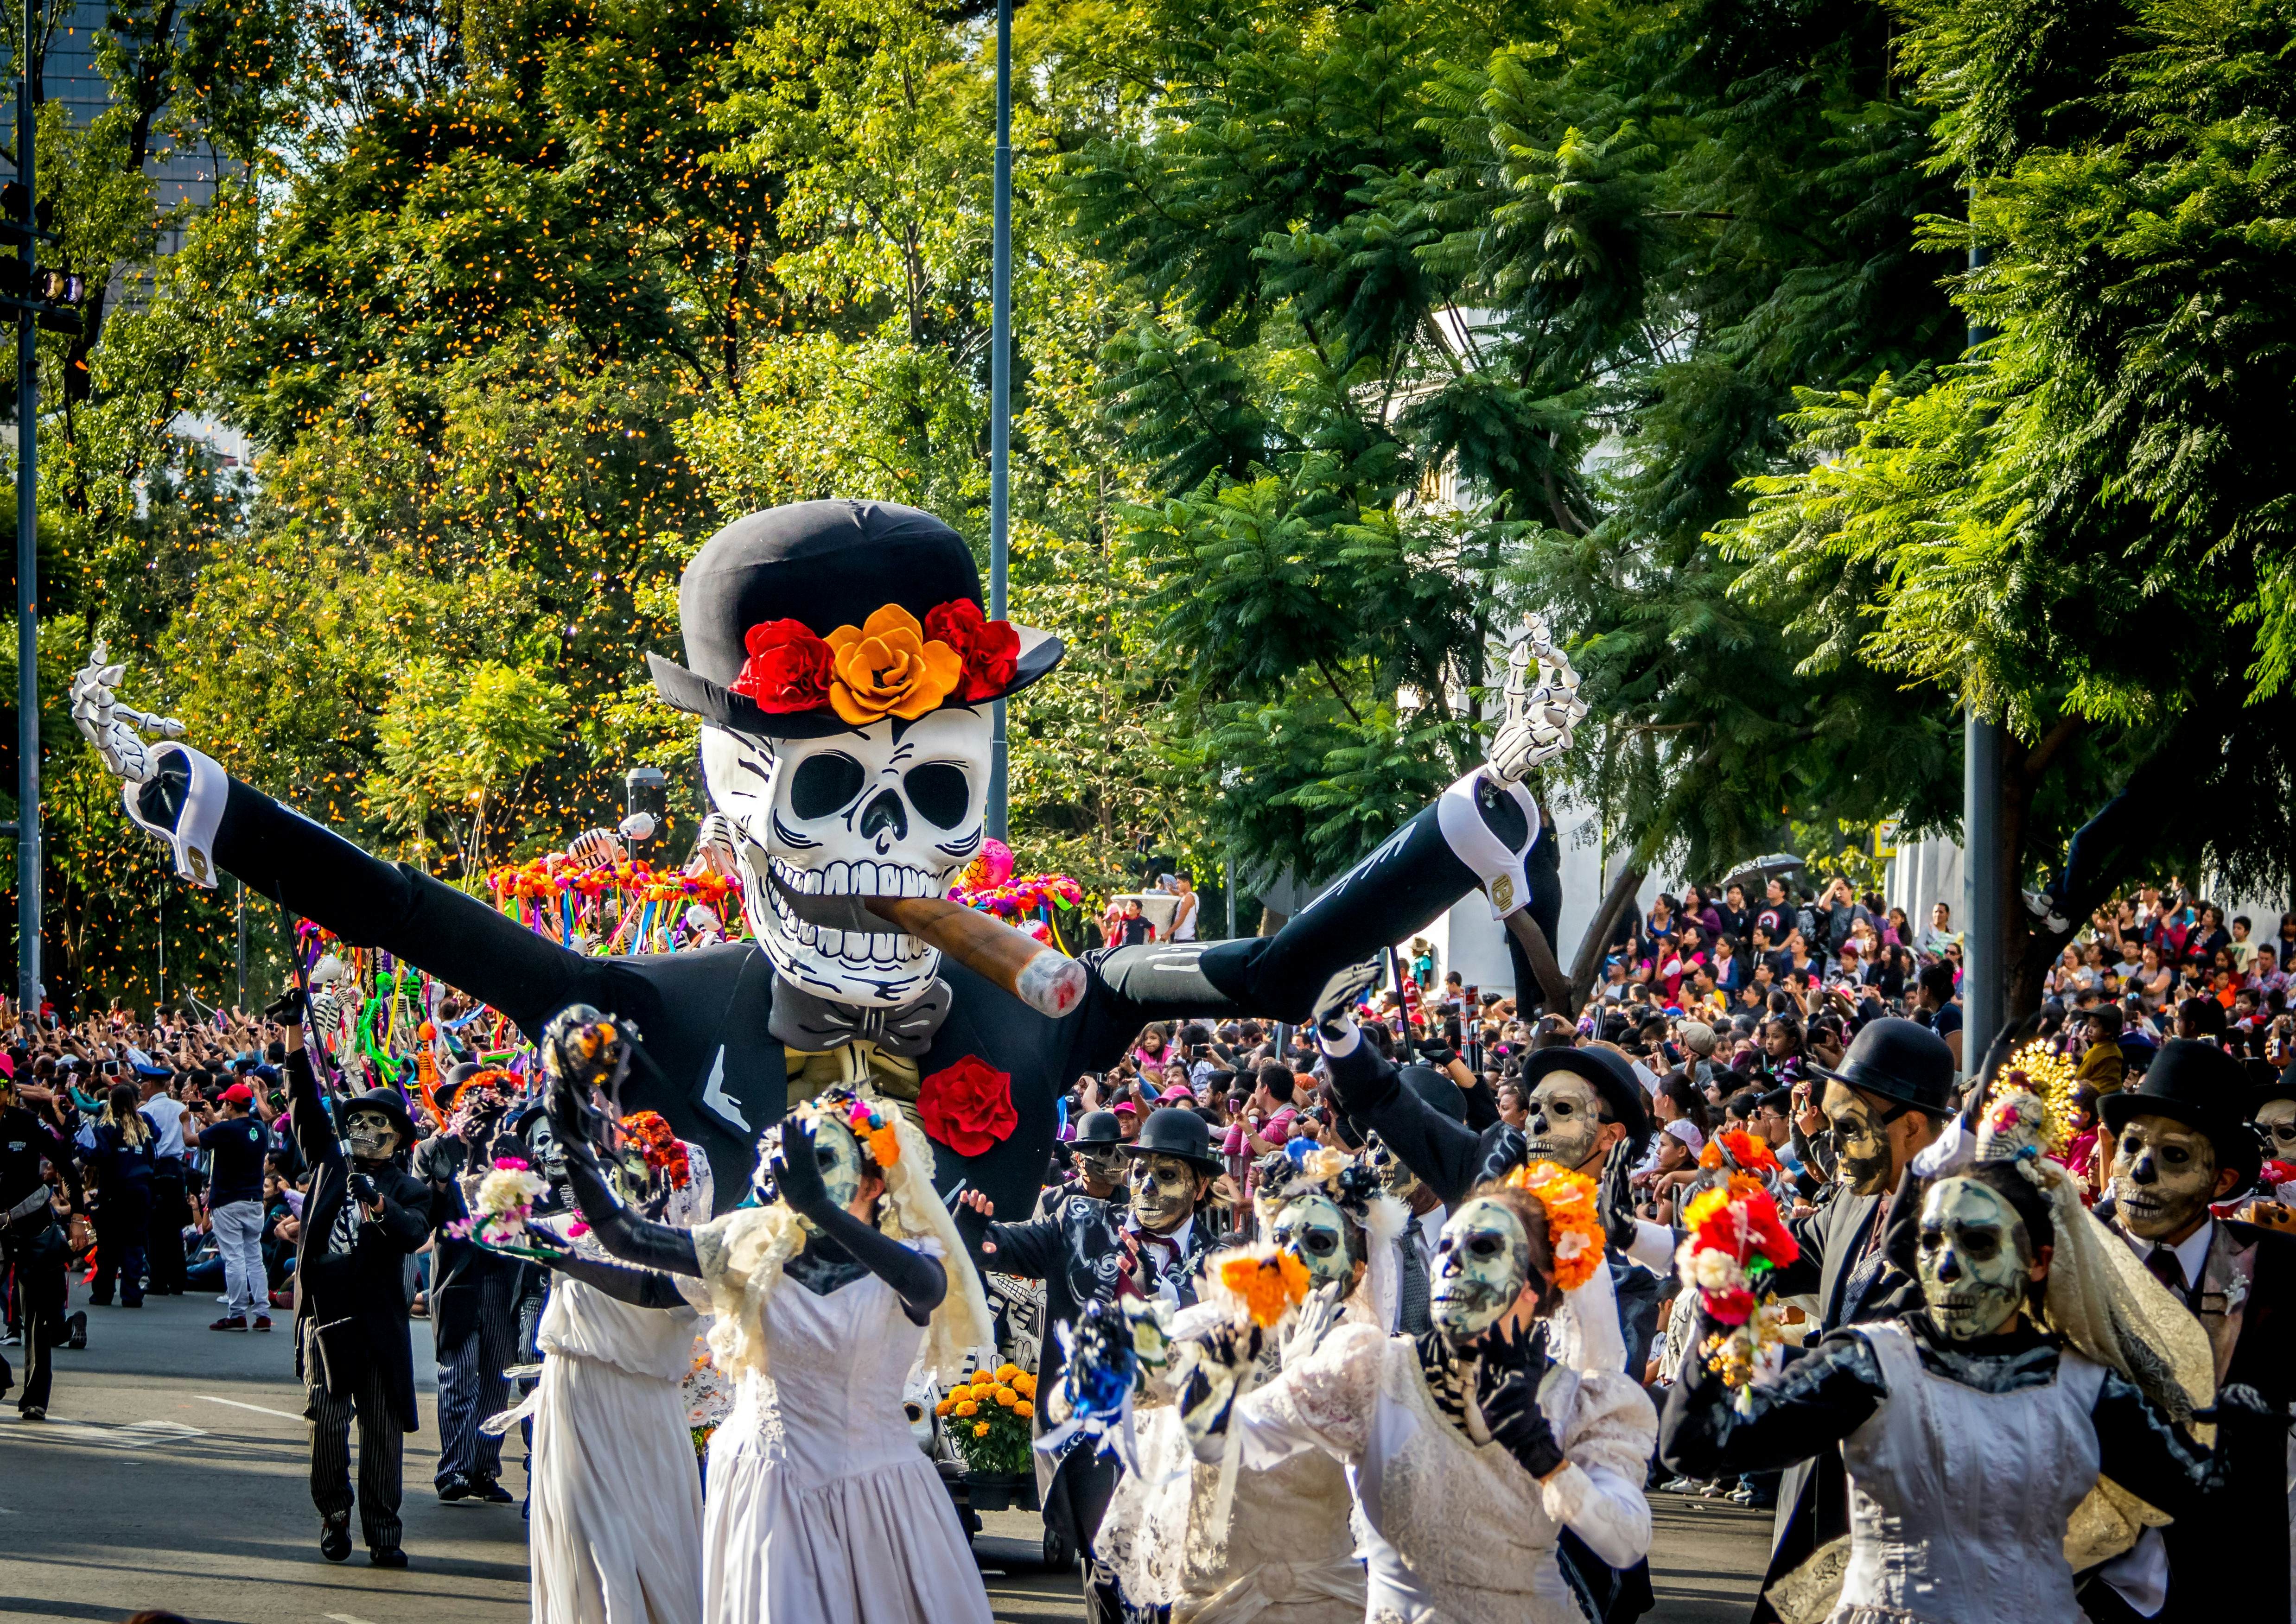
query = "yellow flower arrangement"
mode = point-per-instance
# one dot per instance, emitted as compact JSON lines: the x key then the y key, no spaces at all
{"x":1574,"y":1223}
{"x":993,"y":1404}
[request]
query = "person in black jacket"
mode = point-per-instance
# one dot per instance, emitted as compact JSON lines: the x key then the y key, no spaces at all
{"x":124,"y":1166}
{"x":361,"y":1218}
{"x":33,"y":1249}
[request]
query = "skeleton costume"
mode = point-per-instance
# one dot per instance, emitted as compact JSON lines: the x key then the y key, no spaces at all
{"x":616,"y":1502}
{"x":846,"y":741}
{"x":1971,"y":1433}
{"x":820,"y":1508}
{"x":1468,"y":1455}
{"x":1285,"y":1553}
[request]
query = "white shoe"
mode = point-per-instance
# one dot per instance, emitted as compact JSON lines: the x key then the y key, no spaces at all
{"x":11,"y":1340}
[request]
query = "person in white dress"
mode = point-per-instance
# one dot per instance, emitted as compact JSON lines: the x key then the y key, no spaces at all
{"x":1975,"y":1427}
{"x":820,"y":1507}
{"x":1470,"y":1450}
{"x":616,"y":1532}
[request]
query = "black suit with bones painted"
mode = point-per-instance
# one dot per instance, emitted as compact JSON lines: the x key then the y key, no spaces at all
{"x":714,"y":1071}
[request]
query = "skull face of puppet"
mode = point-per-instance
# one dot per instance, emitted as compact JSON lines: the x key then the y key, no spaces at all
{"x":1316,"y":1233}
{"x":1482,"y":1265}
{"x":1975,"y":1258}
{"x":2164,"y":1174}
{"x":1564,"y":1119}
{"x":1164,"y":1192}
{"x":373,"y":1137}
{"x":1394,"y":1177}
{"x":892,"y":810}
{"x":835,"y":1151}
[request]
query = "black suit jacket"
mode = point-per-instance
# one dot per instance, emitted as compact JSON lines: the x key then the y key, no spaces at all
{"x":366,"y":1284}
{"x":717,"y":1076}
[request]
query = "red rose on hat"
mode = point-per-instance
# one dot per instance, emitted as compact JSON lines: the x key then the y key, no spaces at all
{"x":990,"y":648}
{"x":788,"y":668}
{"x":968,"y":1106}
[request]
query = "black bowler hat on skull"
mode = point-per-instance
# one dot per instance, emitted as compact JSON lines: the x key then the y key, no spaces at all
{"x":1171,"y":1130}
{"x":813,"y":618}
{"x":1902,"y":1061}
{"x":2202,"y":1087}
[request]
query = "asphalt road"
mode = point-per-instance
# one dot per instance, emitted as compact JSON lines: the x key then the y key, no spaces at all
{"x":172,"y":1473}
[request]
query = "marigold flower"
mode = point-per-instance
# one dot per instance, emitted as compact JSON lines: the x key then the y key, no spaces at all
{"x":967,"y":1408}
{"x":887,"y":666}
{"x":1024,"y":1409}
{"x":980,"y":1429}
{"x":1006,"y":1398}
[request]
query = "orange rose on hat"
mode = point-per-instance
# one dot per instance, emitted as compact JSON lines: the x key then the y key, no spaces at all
{"x":968,"y":1106}
{"x":890,"y":668}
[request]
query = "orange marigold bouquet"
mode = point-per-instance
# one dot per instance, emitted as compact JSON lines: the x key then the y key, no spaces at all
{"x":988,"y":1418}
{"x":1574,"y":1219}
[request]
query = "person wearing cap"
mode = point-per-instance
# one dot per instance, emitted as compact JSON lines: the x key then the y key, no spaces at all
{"x":363,"y":1216}
{"x":33,"y":1246}
{"x":2181,"y":1141}
{"x":235,"y":1148}
{"x":1074,"y":1245}
{"x":1886,"y":1103}
{"x":170,"y":1211}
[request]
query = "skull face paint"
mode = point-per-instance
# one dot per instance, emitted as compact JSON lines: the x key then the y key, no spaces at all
{"x":892,"y":810}
{"x":1108,"y":1167}
{"x":373,"y":1137}
{"x":2164,"y":1174}
{"x":1861,"y":1141}
{"x":835,"y":1151}
{"x":1394,"y":1177}
{"x":549,"y":1155}
{"x":1564,"y":1119}
{"x":1316,"y":1233}
{"x":1164,"y":1192}
{"x":1975,"y":1258}
{"x":2277,"y":1119}
{"x":1482,"y":1265}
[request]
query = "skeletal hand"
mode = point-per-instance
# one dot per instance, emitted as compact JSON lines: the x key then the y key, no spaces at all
{"x":111,"y":727}
{"x":713,"y":848}
{"x":1539,"y":718}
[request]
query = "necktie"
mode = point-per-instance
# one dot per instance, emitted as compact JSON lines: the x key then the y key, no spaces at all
{"x":1412,"y":1316}
{"x":2167,"y":1270}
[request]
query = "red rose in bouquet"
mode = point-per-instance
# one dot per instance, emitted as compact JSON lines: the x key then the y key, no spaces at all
{"x":990,"y":648}
{"x":788,"y":668}
{"x":968,"y":1106}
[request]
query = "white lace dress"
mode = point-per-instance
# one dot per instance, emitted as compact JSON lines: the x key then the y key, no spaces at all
{"x":616,"y":1536}
{"x":821,"y":1509}
{"x":1457,"y":1533}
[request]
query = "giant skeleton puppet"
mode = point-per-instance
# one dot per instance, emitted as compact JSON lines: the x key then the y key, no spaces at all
{"x":838,"y":658}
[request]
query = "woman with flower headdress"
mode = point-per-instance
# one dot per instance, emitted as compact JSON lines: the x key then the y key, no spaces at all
{"x":1472,"y":1449}
{"x":1980,"y":1431}
{"x":820,"y":1508}
{"x":616,"y":1502}
{"x":1276,"y":1545}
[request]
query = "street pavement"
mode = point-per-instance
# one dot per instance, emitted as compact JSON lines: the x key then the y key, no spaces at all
{"x":172,"y":1473}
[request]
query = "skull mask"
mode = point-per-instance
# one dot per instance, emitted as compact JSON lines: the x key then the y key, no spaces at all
{"x":1394,"y":1177}
{"x":1864,"y":1161}
{"x":373,"y":1137}
{"x":549,"y":1155}
{"x":2164,"y":1174}
{"x":1976,"y":1260}
{"x":2277,"y":1120}
{"x":1317,"y":1232}
{"x":835,"y":1151}
{"x":1108,"y":1164}
{"x":1164,"y":1192}
{"x":1482,"y":1265}
{"x":1564,"y":1121}
{"x":891,"y":809}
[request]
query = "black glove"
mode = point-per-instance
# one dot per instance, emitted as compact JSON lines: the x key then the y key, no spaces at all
{"x":287,"y":1006}
{"x":2241,"y":1402}
{"x":795,"y":1169}
{"x":1505,"y":1149}
{"x":1506,"y":1390}
{"x":1617,"y":1199}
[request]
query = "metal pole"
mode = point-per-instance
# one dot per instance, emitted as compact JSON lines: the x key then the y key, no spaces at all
{"x":28,"y":635}
{"x":242,"y":960}
{"x":1000,"y":394}
{"x":1984,"y":975}
{"x":1230,"y":889}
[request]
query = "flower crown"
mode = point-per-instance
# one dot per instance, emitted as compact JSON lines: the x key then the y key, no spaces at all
{"x":1574,"y":1223}
{"x":1741,"y":1151}
{"x":870,"y":1122}
{"x":1304,"y":1168}
{"x":2031,"y":1113}
{"x":659,"y":1144}
{"x":889,"y":665}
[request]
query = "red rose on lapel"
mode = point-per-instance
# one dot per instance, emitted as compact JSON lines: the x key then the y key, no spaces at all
{"x":968,"y":1106}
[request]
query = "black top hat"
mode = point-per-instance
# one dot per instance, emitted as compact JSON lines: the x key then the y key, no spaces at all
{"x":1171,"y":1130}
{"x":1900,"y":1060}
{"x":1097,"y":1130}
{"x":1614,"y":1077}
{"x":2203,"y":1087}
{"x":766,"y":597}
{"x":1440,"y":1093}
{"x":386,"y":1101}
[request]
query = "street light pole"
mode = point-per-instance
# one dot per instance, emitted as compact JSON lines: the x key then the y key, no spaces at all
{"x":1000,"y":396}
{"x":28,"y":635}
{"x":1984,"y":973}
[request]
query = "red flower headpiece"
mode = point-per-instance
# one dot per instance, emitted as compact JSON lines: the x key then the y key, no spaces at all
{"x":890,"y":666}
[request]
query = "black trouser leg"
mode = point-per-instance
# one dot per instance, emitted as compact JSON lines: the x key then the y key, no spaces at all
{"x":41,"y":1290}
{"x":1081,"y":1490}
{"x":165,"y":1240}
{"x":381,"y":1447}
